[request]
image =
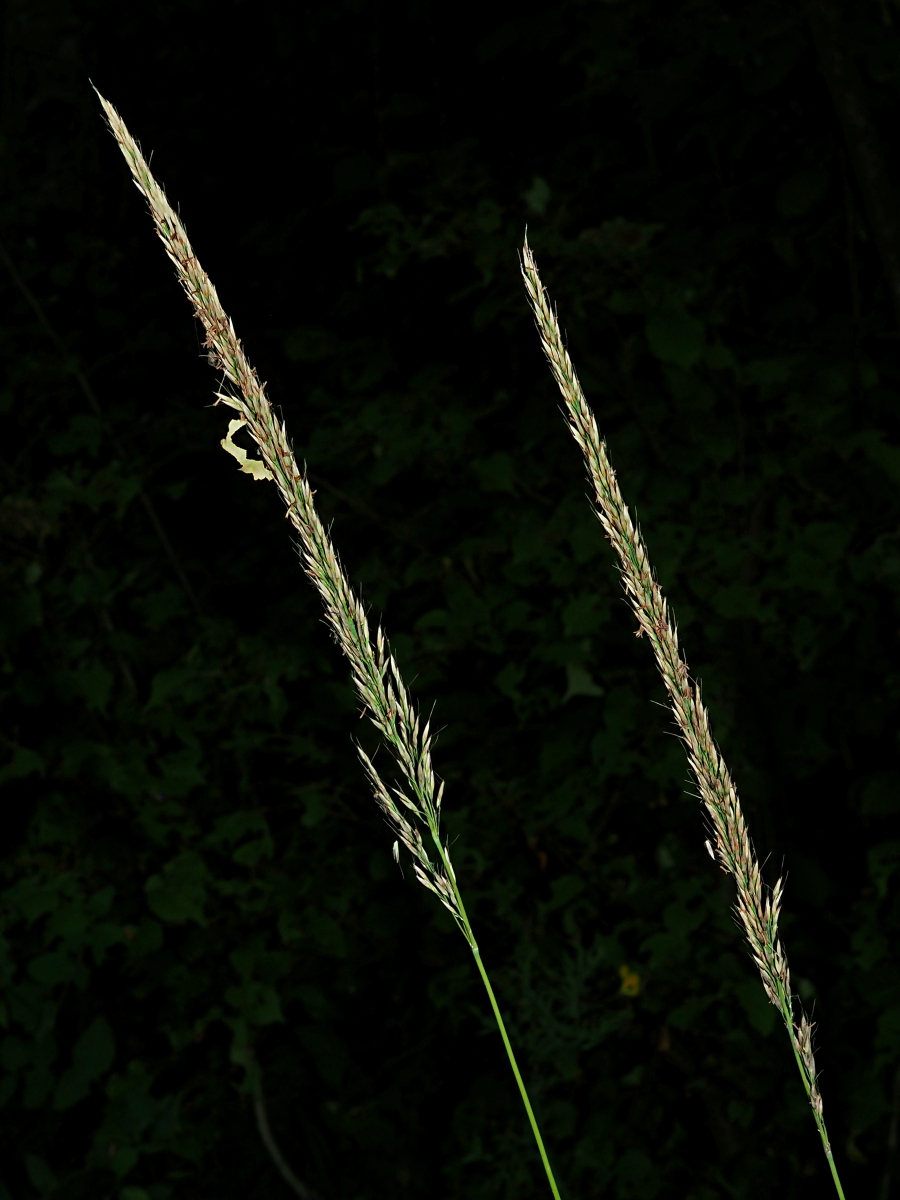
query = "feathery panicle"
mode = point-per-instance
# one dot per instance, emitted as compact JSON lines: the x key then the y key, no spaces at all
{"x":375,"y":674}
{"x":757,"y":908}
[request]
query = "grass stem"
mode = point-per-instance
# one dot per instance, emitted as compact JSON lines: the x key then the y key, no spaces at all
{"x":757,"y":906}
{"x":501,"y":1025}
{"x":515,"y":1070}
{"x":416,"y":806}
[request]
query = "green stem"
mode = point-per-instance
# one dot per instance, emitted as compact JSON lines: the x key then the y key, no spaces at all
{"x":523,"y":1092}
{"x":834,"y":1174}
{"x":819,"y":1119}
{"x":515,"y":1070}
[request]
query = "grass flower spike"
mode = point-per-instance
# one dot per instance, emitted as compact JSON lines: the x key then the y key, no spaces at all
{"x":757,"y":907}
{"x":415,"y":809}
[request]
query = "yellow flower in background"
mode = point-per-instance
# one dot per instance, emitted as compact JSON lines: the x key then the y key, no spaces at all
{"x":631,"y":981}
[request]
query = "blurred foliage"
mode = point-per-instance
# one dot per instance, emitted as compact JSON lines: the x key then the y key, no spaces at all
{"x":197,"y":890}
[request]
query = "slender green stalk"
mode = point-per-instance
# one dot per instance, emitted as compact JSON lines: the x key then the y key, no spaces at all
{"x":757,"y":907}
{"x":376,"y":677}
{"x":515,"y":1069}
{"x":501,"y":1025}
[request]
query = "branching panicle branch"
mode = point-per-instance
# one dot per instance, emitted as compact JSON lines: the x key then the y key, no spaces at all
{"x":757,"y":908}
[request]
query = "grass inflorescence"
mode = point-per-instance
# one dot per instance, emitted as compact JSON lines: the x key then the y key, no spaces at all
{"x":412,"y":808}
{"x":411,"y":811}
{"x":757,"y":906}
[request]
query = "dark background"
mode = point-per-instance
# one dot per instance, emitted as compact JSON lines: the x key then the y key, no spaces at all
{"x":198,"y":891}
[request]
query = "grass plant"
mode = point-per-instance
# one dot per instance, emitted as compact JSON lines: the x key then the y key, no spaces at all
{"x":757,"y":906}
{"x":412,"y":808}
{"x":411,"y":811}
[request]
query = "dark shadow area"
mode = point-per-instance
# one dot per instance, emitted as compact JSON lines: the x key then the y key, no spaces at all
{"x":200,"y":918}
